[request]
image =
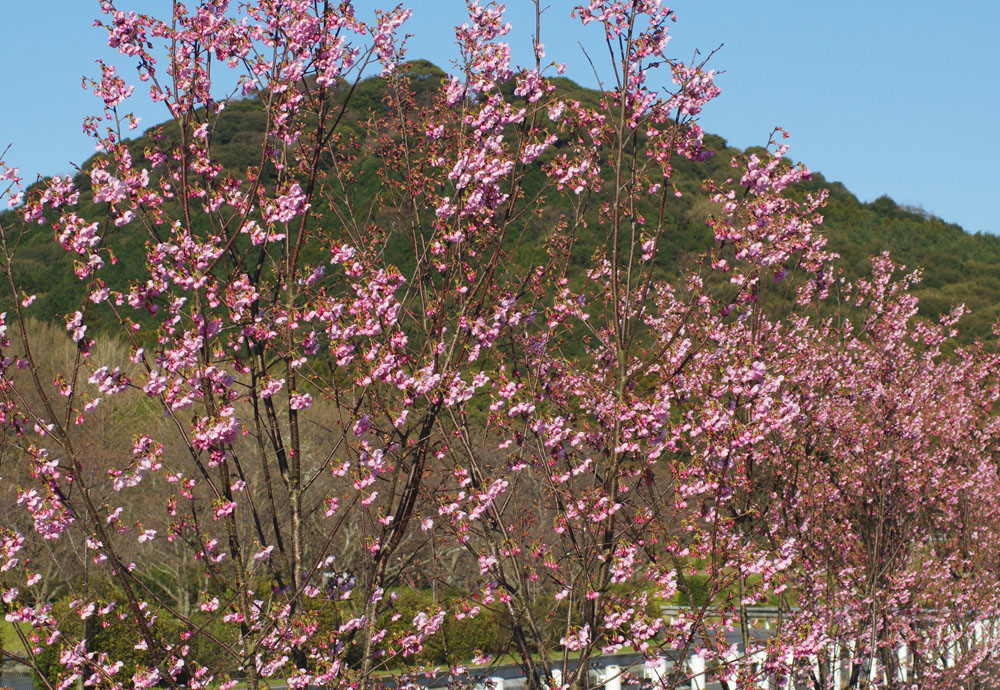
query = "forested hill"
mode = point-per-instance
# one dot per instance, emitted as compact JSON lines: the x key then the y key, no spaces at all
{"x":957,"y":266}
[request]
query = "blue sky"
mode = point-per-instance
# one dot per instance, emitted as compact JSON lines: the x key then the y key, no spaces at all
{"x":886,"y":96}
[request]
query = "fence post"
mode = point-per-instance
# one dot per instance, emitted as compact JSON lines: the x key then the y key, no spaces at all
{"x":612,"y":678}
{"x":697,"y":666}
{"x":657,"y":670}
{"x":873,"y":664}
{"x":491,"y":683}
{"x":835,"y":665}
{"x":903,"y":657}
{"x":759,"y":661}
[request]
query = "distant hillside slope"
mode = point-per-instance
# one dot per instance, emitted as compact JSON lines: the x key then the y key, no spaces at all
{"x":958,"y":266}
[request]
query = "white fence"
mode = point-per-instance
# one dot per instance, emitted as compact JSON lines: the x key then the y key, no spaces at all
{"x":836,"y":664}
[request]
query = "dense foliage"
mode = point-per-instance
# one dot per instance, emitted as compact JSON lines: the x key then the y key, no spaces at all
{"x":957,"y":267}
{"x":356,"y":377}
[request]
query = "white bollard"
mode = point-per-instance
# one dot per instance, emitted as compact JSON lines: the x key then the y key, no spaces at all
{"x":612,"y":678}
{"x":873,"y":665}
{"x":697,"y":665}
{"x":491,"y":683}
{"x":760,"y":660}
{"x":835,"y":666}
{"x":734,"y":660}
{"x":657,"y":671}
{"x":903,"y":657}
{"x":844,"y":666}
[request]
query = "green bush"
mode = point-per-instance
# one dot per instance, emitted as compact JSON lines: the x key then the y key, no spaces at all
{"x":104,"y":634}
{"x":457,"y":641}
{"x":206,"y":652}
{"x":699,"y":586}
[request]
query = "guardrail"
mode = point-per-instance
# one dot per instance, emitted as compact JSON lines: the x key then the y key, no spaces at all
{"x":766,"y":612}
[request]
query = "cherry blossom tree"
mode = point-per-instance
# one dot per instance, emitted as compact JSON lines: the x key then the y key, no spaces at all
{"x":867,"y":493}
{"x":337,"y":396}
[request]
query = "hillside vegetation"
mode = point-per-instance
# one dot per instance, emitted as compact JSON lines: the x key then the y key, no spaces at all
{"x":957,"y":267}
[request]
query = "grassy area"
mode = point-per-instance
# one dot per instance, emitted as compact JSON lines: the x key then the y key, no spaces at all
{"x":8,"y":636}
